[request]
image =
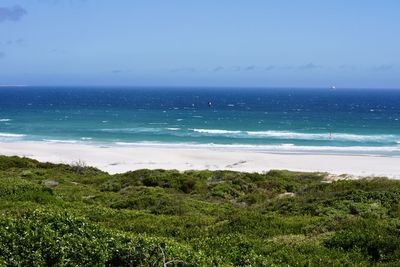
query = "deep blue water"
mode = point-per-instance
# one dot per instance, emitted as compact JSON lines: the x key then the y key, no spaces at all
{"x":272,"y":119}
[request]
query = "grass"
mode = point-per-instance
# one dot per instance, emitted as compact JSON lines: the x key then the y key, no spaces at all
{"x":61,"y":215}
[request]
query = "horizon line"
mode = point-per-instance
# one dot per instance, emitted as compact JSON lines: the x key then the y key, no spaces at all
{"x":333,"y":88}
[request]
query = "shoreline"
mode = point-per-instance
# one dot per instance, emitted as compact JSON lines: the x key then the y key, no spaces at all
{"x":119,"y":159}
{"x":356,"y":150}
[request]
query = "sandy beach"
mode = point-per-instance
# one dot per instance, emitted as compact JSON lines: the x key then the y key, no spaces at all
{"x":118,"y":159}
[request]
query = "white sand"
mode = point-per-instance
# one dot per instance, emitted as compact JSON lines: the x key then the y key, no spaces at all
{"x":117,"y":159}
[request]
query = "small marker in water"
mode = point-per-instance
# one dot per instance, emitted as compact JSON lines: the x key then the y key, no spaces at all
{"x":209,"y":104}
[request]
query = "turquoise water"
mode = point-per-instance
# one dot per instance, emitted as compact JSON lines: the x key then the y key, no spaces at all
{"x":333,"y":121}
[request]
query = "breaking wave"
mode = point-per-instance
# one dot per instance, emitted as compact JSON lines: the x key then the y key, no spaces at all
{"x":214,"y":131}
{"x":303,"y":136}
{"x":11,"y":135}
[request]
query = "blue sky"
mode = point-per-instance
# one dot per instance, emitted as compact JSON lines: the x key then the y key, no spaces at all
{"x":201,"y":43}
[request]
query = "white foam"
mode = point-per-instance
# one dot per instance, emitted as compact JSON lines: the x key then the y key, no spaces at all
{"x":303,"y":136}
{"x":124,"y":143}
{"x":173,"y":129}
{"x":322,"y":136}
{"x":61,"y":141}
{"x":215,"y":131}
{"x":130,"y":130}
{"x":288,"y":145}
{"x":5,"y":120}
{"x":272,"y":148}
{"x":11,"y":135}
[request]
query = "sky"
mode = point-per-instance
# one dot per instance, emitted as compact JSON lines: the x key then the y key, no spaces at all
{"x":255,"y":43}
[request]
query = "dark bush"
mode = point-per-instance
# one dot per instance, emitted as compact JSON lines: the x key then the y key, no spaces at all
{"x":378,"y":241}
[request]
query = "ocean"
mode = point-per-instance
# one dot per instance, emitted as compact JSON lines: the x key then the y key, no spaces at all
{"x":354,"y":121}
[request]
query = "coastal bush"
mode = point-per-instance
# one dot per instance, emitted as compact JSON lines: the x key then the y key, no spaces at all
{"x":376,"y":240}
{"x":58,"y":239}
{"x":153,"y":199}
{"x":53,"y":215}
{"x":16,"y":162}
{"x":16,"y":189}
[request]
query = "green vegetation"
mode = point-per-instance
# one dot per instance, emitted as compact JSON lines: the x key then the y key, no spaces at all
{"x":60,"y":215}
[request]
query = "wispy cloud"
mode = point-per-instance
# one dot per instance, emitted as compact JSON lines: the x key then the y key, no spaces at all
{"x":385,"y":67}
{"x":120,"y":71}
{"x":309,"y":66}
{"x":56,"y":2}
{"x":250,"y":68}
{"x":58,"y":51}
{"x":253,"y":68}
{"x":18,"y":41}
{"x":347,"y":67}
{"x":219,"y":68}
{"x":244,"y":68}
{"x":13,"y":13}
{"x":184,"y":69}
{"x":237,"y":68}
{"x":270,"y":67}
